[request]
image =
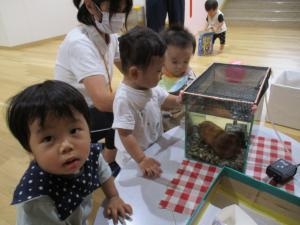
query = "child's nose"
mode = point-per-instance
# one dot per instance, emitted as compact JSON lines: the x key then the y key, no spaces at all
{"x":66,"y":146}
{"x":180,"y":66}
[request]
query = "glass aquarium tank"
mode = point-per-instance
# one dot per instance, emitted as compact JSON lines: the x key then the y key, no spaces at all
{"x":219,"y":113}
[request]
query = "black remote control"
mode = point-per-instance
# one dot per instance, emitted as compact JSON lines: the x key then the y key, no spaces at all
{"x":281,"y":171}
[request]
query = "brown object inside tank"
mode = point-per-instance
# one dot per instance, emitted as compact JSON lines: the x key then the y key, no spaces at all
{"x":225,"y":145}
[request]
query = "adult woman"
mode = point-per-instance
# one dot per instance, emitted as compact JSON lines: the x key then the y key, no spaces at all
{"x":85,"y":60}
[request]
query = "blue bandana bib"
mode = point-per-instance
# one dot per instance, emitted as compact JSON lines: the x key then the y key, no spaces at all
{"x":67,"y":192}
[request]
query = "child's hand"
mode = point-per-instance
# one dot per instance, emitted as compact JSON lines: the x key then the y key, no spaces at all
{"x":150,"y":167}
{"x":117,"y":207}
{"x":180,"y":97}
{"x":211,"y":29}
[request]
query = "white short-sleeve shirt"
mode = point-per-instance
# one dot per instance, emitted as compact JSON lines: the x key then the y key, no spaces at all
{"x":213,"y":22}
{"x":139,"y":111}
{"x":80,"y":56}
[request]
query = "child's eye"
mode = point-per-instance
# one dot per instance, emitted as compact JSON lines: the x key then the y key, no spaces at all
{"x":47,"y":139}
{"x":74,"y":131}
{"x":175,"y":62}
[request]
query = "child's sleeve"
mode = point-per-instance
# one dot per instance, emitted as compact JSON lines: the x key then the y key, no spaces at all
{"x":221,"y":18}
{"x":161,"y":94}
{"x":123,"y":115}
{"x":104,"y":170}
{"x":85,"y":61}
{"x":36,"y":212}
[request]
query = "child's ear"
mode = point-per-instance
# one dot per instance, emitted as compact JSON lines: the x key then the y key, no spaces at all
{"x":133,"y":72}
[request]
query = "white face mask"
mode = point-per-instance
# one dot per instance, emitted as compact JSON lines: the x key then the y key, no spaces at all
{"x":114,"y":25}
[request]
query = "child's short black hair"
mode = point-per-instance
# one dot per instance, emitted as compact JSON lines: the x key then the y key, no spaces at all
{"x":211,"y":5}
{"x":138,"y":46}
{"x":86,"y":18}
{"x":179,"y":36}
{"x":38,"y":101}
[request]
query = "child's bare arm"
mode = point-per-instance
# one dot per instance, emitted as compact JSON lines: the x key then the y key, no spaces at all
{"x":172,"y":101}
{"x":206,"y":27}
{"x":115,"y":206}
{"x":109,"y":188}
{"x":207,"y":24}
{"x":150,"y":167}
{"x":131,"y":145}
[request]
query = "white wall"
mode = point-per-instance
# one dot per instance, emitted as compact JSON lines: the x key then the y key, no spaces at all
{"x":196,"y":21}
{"x":3,"y":37}
{"x":25,"y":21}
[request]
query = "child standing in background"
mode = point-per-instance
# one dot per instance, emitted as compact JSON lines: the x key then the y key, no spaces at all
{"x":138,"y":100}
{"x":215,"y":22}
{"x":177,"y":74}
{"x":51,"y":121}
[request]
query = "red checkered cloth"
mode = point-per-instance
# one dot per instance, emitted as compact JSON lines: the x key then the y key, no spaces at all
{"x":194,"y":178}
{"x":262,"y":152}
{"x":189,"y":186}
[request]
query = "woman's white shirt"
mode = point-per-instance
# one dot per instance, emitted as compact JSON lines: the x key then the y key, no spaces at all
{"x":80,"y":56}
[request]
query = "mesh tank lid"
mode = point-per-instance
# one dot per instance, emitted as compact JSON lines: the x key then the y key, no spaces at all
{"x":229,"y":82}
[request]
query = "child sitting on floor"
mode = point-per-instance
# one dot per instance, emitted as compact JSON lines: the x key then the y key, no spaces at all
{"x":138,"y":102}
{"x":215,"y":22}
{"x":177,"y":74}
{"x":51,"y":121}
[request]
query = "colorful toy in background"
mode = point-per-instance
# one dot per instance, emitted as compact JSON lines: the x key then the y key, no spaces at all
{"x":205,"y":43}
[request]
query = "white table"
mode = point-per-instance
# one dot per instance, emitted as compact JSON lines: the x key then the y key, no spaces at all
{"x":144,"y":195}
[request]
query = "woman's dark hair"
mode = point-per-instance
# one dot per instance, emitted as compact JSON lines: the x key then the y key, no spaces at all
{"x":211,"y":5}
{"x":138,"y":46}
{"x":37,"y":102}
{"x":86,"y":18}
{"x":179,"y":36}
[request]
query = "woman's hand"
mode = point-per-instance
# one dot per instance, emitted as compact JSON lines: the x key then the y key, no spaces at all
{"x":117,"y":207}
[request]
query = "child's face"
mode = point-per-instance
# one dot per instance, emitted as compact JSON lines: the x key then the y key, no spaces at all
{"x":212,"y":13}
{"x":177,"y":59}
{"x":150,"y":77}
{"x":62,"y":145}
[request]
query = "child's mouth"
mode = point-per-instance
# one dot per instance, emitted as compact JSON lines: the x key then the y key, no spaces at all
{"x":72,"y":164}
